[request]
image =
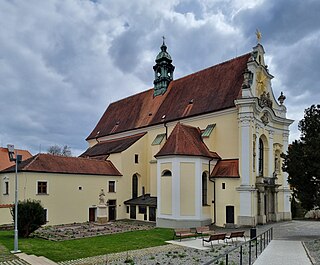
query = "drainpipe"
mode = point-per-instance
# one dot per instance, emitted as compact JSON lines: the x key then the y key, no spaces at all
{"x":214,"y":194}
{"x":165,"y":125}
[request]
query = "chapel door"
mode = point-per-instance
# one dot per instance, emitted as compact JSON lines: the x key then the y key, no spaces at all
{"x":132,"y":212}
{"x":152,"y":214}
{"x":230,"y":214}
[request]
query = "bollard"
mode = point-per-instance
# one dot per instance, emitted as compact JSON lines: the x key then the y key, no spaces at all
{"x":253,"y":232}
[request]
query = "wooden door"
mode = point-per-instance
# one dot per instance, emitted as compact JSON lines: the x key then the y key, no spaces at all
{"x":230,"y":214}
{"x":92,"y":214}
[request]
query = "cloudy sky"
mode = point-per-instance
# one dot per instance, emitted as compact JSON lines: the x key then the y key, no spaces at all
{"x":63,"y":62}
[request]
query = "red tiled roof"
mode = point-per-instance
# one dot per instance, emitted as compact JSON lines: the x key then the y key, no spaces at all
{"x":228,"y":168}
{"x":185,"y":140}
{"x":4,"y":157}
{"x":67,"y":165}
{"x":6,"y":205}
{"x":111,"y":146}
{"x":206,"y":91}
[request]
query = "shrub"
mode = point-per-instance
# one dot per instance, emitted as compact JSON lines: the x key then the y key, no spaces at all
{"x":31,"y":216}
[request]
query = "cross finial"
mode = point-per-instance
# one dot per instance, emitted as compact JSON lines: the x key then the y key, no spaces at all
{"x":259,"y":35}
{"x":163,"y":38}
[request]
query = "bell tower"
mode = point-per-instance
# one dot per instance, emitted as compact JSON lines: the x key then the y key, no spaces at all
{"x":163,"y":71}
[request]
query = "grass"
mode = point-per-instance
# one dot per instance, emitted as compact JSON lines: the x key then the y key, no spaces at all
{"x":88,"y":247}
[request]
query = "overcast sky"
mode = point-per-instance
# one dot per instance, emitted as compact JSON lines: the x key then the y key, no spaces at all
{"x":63,"y":62}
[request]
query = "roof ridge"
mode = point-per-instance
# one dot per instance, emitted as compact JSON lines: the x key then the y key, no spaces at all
{"x":210,"y":67}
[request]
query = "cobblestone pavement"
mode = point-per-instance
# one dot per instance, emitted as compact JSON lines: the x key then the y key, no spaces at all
{"x":299,"y":230}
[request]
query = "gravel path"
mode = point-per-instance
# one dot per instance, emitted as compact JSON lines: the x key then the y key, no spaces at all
{"x":314,"y":250}
{"x":165,"y":255}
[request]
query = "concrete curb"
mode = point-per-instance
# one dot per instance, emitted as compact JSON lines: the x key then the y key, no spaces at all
{"x":312,"y":260}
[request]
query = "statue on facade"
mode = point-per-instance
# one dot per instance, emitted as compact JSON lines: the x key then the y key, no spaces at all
{"x":102,"y":197}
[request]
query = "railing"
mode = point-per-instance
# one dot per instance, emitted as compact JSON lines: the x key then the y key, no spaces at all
{"x":246,"y":252}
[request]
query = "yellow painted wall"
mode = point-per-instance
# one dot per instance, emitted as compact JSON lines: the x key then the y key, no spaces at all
{"x":226,"y":197}
{"x":187,"y":189}
{"x":5,"y":216}
{"x":65,"y":202}
{"x":166,"y":195}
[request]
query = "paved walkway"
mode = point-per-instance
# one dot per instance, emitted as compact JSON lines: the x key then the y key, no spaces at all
{"x":283,"y":252}
{"x":287,"y":248}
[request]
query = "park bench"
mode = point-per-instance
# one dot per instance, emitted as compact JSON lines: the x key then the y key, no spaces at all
{"x":235,"y":235}
{"x":214,"y":237}
{"x":203,"y":230}
{"x":183,"y":233}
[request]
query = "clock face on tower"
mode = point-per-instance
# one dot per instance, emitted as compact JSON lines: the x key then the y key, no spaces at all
{"x":261,"y":79}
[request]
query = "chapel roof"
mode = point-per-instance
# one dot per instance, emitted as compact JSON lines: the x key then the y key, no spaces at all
{"x":4,"y":157}
{"x":206,"y":91}
{"x":105,"y":148}
{"x":185,"y":140}
{"x":65,"y":165}
{"x":227,"y":168}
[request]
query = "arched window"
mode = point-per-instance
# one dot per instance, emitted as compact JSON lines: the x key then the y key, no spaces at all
{"x":134,"y":186}
{"x":204,"y":189}
{"x":261,"y":162}
{"x":166,"y":173}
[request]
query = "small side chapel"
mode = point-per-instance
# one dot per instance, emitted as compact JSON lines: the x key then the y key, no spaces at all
{"x":201,"y":149}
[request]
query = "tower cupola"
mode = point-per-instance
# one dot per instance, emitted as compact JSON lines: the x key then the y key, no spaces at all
{"x":163,"y":71}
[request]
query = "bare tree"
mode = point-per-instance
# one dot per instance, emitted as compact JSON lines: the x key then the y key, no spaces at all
{"x":59,"y":150}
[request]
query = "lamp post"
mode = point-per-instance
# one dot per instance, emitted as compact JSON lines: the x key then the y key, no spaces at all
{"x":17,"y":160}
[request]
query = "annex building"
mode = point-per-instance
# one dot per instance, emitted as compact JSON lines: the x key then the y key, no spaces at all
{"x":201,"y":149}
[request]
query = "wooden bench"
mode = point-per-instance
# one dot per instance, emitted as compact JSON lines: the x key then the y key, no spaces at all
{"x":203,"y":230}
{"x":183,"y":233}
{"x":236,"y":234}
{"x":214,"y":237}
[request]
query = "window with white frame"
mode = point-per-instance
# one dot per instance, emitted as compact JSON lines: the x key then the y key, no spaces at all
{"x":42,"y":187}
{"x":112,"y":186}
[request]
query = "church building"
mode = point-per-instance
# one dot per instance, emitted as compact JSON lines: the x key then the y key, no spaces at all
{"x":201,"y":149}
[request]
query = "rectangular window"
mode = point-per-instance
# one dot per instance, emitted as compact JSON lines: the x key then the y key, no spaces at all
{"x":223,"y":186}
{"x":142,"y":209}
{"x":112,"y":186}
{"x":42,"y":187}
{"x":128,"y":209}
{"x":136,"y":158}
{"x":46,"y":214}
{"x":6,"y":188}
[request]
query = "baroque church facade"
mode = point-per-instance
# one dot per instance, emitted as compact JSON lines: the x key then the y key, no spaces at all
{"x":201,"y":149}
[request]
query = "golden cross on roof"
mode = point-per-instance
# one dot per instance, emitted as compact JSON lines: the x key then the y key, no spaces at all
{"x":259,"y":35}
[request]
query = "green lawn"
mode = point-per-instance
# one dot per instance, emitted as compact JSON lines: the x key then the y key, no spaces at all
{"x":87,"y":247}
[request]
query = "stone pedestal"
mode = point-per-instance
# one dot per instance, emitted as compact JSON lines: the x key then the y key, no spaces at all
{"x":102,"y":217}
{"x":262,"y":219}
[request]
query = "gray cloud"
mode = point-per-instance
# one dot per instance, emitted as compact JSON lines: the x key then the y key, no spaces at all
{"x":63,"y":62}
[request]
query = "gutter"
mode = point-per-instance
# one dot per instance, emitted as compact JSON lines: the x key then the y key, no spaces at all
{"x":214,"y":194}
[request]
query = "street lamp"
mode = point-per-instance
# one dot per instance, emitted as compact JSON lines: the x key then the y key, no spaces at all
{"x":17,"y":160}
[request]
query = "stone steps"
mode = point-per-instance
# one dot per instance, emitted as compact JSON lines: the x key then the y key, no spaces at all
{"x":14,"y":262}
{"x":34,"y":260}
